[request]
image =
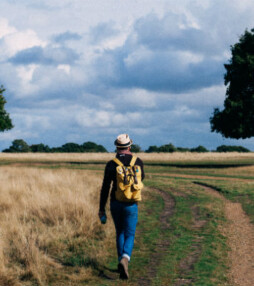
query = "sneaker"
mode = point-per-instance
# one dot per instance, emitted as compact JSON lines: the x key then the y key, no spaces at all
{"x":123,"y":268}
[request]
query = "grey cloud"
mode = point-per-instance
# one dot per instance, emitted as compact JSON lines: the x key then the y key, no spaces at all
{"x":28,"y":56}
{"x":160,"y":56}
{"x":165,"y":33}
{"x":102,"y":31}
{"x":151,"y":56}
{"x":159,"y":71}
{"x":67,"y":36}
{"x":46,"y":56}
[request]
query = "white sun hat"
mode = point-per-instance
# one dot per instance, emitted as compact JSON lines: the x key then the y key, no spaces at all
{"x":123,"y":141}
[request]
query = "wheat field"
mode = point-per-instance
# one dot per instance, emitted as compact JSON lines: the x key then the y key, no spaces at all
{"x":153,"y":157}
{"x":43,"y":213}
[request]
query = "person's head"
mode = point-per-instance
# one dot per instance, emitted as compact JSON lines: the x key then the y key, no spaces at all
{"x":123,"y":142}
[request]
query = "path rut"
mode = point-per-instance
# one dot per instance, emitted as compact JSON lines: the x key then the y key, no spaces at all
{"x":240,"y":234}
{"x":195,"y":176}
{"x":163,"y":244}
{"x":187,"y":263}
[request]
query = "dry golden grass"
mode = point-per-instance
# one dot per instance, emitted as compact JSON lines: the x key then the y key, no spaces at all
{"x":192,"y":156}
{"x":45,"y":215}
{"x":79,"y":157}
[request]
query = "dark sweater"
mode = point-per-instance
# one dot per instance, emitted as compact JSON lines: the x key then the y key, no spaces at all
{"x":110,"y":176}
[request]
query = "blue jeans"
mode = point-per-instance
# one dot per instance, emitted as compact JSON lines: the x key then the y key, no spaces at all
{"x":125,"y":216}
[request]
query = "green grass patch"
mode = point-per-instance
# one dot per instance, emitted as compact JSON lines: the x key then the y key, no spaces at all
{"x":210,"y":265}
{"x":241,"y":192}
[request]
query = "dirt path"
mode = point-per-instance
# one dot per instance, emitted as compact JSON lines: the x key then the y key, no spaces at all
{"x":162,"y":244}
{"x":240,"y":234}
{"x":194,"y":176}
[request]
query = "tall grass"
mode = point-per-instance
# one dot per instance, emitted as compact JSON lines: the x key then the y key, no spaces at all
{"x":48,"y":218}
{"x":163,"y":157}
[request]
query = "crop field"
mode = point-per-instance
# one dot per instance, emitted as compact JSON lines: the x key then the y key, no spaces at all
{"x":196,"y":221}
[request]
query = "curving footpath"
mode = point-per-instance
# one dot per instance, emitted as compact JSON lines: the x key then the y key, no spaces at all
{"x":240,"y":235}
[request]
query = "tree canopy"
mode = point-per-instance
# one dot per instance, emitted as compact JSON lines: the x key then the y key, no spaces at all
{"x":236,"y":120}
{"x":199,"y":149}
{"x":5,"y":121}
{"x":135,"y":148}
{"x":229,"y":148}
{"x":18,"y":146}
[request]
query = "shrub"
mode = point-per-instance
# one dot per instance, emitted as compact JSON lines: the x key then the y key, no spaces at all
{"x":152,"y":149}
{"x":135,"y":148}
{"x":199,"y":149}
{"x":71,"y":148}
{"x":169,"y":148}
{"x":41,"y":148}
{"x":229,"y":148}
{"x":182,"y":149}
{"x":92,"y":147}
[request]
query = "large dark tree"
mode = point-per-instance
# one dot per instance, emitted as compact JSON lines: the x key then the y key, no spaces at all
{"x":5,"y":121}
{"x":236,"y":120}
{"x":18,"y":146}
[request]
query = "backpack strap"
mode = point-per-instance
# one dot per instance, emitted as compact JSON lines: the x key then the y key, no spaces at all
{"x":118,"y":162}
{"x":133,"y":161}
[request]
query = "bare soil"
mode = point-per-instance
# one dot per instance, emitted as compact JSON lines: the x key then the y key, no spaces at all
{"x":240,"y":234}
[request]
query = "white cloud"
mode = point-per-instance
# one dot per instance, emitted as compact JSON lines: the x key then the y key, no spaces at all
{"x":139,"y":54}
{"x":102,"y":118}
{"x":26,"y":72}
{"x":65,"y":68}
{"x":134,"y":98}
{"x":184,"y":111}
{"x":14,"y":40}
{"x":114,"y":42}
{"x":106,"y":105}
{"x":207,"y":97}
{"x":17,"y":134}
{"x":30,"y":119}
{"x":5,"y":28}
{"x":18,"y":41}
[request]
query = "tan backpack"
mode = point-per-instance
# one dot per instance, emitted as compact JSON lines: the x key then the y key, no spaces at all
{"x":129,"y":182}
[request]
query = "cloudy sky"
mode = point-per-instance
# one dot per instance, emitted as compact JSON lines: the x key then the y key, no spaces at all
{"x":87,"y":70}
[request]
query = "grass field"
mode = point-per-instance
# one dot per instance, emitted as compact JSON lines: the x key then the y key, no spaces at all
{"x":51,"y":235}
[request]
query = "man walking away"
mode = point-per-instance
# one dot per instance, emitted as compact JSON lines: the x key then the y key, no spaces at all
{"x":127,"y":173}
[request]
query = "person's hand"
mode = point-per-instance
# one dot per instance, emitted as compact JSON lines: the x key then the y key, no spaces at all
{"x":103,"y":217}
{"x":101,"y":214}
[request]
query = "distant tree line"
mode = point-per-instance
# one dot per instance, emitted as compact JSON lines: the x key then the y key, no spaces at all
{"x":20,"y":146}
{"x":170,"y":148}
